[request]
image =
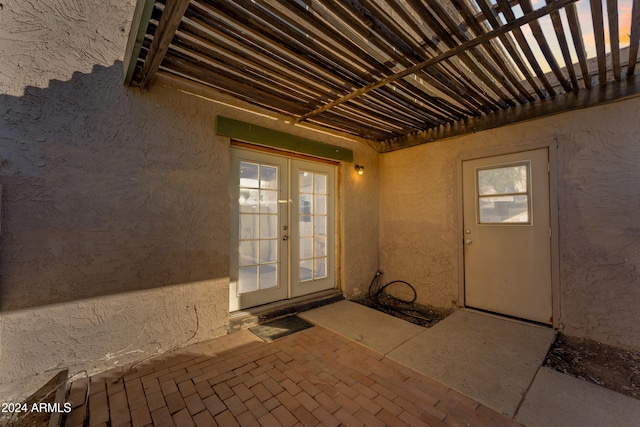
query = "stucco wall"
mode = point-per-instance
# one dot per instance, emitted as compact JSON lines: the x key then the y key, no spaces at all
{"x":599,"y":212}
{"x":115,"y":213}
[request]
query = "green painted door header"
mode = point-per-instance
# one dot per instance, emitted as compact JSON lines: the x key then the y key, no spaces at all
{"x":242,"y":131}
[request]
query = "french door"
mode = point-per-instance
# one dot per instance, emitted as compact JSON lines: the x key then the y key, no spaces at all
{"x":282,"y":228}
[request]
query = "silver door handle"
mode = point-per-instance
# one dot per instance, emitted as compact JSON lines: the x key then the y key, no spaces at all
{"x":468,"y":242}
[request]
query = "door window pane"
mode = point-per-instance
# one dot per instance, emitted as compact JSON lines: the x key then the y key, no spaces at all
{"x":306,"y":182}
{"x":268,"y":251}
{"x":306,"y":225}
{"x":306,"y":270}
{"x":249,"y":174}
{"x":321,"y":205}
{"x":320,"y":268}
{"x":268,"y":201}
{"x":249,"y":200}
{"x":268,"y":276}
{"x":320,"y":183}
{"x":269,"y":177}
{"x":248,"y":252}
{"x":321,"y":246}
{"x":306,"y":205}
{"x":268,"y":226}
{"x":248,"y":226}
{"x":247,"y":279}
{"x":504,"y":194}
{"x":306,"y":247}
{"x":320,"y":225}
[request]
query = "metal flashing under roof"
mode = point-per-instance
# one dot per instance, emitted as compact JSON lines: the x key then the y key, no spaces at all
{"x":399,"y":72}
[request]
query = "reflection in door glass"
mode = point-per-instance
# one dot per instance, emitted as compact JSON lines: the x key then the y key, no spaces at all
{"x":258,"y":245}
{"x":312,"y":225}
{"x":504,"y":194}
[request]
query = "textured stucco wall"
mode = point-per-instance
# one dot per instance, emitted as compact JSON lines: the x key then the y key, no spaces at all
{"x":599,"y":212}
{"x":115,"y":213}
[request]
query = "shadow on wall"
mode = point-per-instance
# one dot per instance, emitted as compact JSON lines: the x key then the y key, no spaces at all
{"x":108,"y":190}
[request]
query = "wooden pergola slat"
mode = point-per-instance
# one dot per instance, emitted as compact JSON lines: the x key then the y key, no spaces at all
{"x":171,"y":17}
{"x":564,"y":47}
{"x":507,"y":42}
{"x":614,"y":38}
{"x":474,"y":24}
{"x":524,"y":46}
{"x":544,"y":47}
{"x":578,"y":43}
{"x":634,"y":37}
{"x":471,"y":58}
{"x":598,"y":34}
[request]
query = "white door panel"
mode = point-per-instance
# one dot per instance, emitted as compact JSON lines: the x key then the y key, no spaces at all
{"x":507,"y":235}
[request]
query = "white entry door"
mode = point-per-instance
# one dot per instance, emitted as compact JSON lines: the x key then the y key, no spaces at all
{"x":282,"y":228}
{"x":507,"y":235}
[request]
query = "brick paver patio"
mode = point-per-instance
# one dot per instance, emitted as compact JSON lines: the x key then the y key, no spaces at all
{"x":313,"y":377}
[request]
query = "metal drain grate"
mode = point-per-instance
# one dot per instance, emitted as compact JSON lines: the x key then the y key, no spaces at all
{"x":280,"y":328}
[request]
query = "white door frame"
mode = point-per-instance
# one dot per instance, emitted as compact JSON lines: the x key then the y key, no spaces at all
{"x":553,"y":216}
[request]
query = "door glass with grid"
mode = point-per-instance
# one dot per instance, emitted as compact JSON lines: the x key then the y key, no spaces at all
{"x":258,"y":242}
{"x":312,"y":223}
{"x":313,"y":248}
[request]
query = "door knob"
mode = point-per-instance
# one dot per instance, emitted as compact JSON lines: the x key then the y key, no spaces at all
{"x":468,"y":241}
{"x":285,"y":237}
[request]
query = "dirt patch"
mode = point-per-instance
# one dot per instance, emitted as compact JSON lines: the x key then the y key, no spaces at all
{"x":604,"y":365}
{"x":418,"y":314}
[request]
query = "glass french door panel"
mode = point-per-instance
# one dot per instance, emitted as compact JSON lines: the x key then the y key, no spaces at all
{"x":312,"y":225}
{"x":258,"y":233}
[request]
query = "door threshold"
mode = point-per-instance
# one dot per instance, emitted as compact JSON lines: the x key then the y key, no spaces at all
{"x":244,"y":319}
{"x":508,"y":318}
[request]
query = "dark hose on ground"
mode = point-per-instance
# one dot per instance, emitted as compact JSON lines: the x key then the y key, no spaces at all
{"x":387,"y":301}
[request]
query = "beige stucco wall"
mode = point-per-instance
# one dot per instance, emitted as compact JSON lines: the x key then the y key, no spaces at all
{"x":115,"y":205}
{"x":599,"y":213}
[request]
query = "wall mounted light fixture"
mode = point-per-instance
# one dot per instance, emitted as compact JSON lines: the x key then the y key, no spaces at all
{"x":360,"y":169}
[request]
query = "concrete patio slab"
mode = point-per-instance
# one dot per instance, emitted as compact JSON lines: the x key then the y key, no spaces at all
{"x":559,"y":400}
{"x":492,"y":360}
{"x":373,"y":329}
